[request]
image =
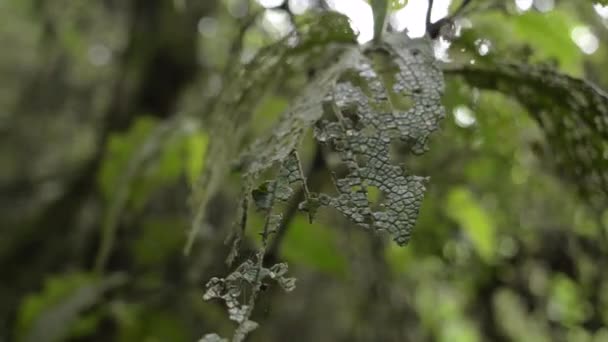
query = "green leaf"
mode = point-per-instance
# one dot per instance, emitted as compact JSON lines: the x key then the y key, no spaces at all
{"x":119,"y":152}
{"x":566,"y":303}
{"x":459,"y":330}
{"x":196,"y":150}
{"x":463,"y":208}
{"x":319,"y":40}
{"x":395,"y":5}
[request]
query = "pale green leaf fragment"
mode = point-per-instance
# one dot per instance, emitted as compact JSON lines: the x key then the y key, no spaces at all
{"x":212,"y":338}
{"x":566,"y":303}
{"x":396,"y":5}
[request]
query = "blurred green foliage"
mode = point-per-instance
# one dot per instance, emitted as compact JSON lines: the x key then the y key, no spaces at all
{"x":106,"y":121}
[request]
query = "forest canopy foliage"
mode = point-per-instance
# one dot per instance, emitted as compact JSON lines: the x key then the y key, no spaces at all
{"x":304,"y":170}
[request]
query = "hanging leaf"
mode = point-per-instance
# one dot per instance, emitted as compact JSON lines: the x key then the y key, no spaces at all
{"x":318,"y":41}
{"x":572,"y":113}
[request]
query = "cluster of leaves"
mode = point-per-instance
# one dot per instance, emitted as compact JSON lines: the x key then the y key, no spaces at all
{"x":253,"y":273}
{"x":317,"y":40}
{"x":390,"y":91}
{"x":368,"y":100}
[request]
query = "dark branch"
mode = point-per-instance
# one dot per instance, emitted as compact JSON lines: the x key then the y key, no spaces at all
{"x":434,"y":29}
{"x":429,"y":10}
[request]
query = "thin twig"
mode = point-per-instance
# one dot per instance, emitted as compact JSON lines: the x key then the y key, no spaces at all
{"x":434,"y":29}
{"x":303,"y":193}
{"x":257,"y":285}
{"x":429,"y":10}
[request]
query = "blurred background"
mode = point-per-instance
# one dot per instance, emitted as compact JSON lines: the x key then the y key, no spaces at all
{"x":91,"y":243}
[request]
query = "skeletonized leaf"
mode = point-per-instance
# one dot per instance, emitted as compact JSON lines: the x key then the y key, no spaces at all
{"x":369,"y":99}
{"x":212,"y":338}
{"x":317,"y":40}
